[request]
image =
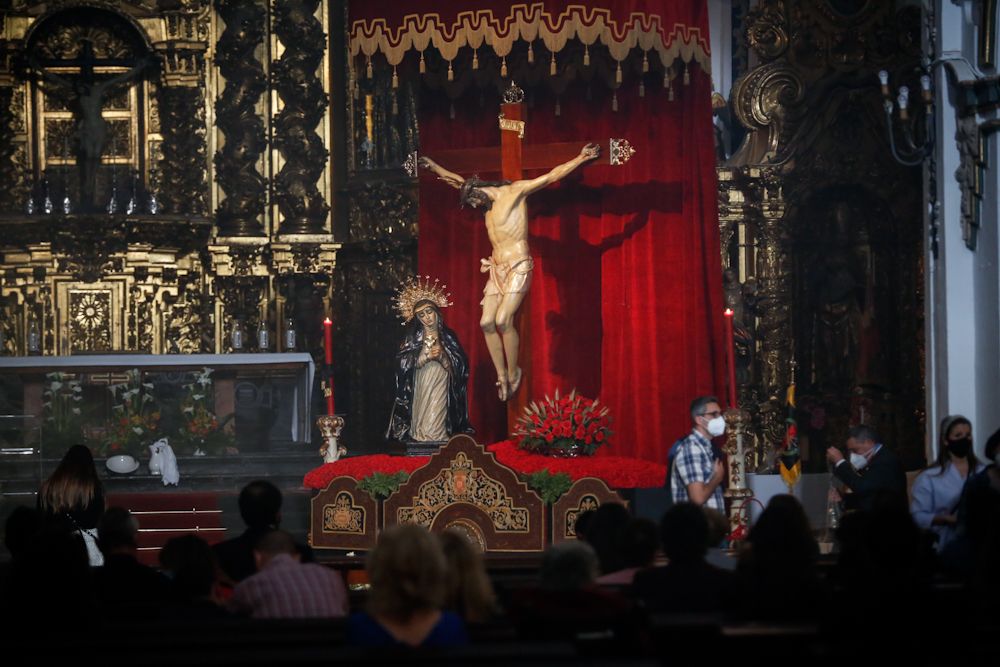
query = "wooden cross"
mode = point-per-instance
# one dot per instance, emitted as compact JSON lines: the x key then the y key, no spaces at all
{"x":511,"y":161}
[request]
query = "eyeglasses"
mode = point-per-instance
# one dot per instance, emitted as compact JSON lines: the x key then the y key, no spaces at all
{"x":713,"y":414}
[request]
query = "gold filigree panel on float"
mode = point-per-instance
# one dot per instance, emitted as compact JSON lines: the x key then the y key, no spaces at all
{"x":343,"y":517}
{"x":464,"y":487}
{"x":462,"y":482}
{"x":586,"y":495}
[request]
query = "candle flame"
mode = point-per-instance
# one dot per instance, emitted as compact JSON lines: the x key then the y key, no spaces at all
{"x":328,"y":321}
{"x":728,"y":312}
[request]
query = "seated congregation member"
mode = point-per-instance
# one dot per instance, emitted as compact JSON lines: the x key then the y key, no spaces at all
{"x":189,"y":564}
{"x":126,"y":589}
{"x":20,"y":528}
{"x":974,"y":552}
{"x":260,"y":507}
{"x":885,"y":564}
{"x":72,"y":498}
{"x":605,"y":529}
{"x":938,"y":489}
{"x":284,"y":587}
{"x":568,"y":603}
{"x":777,"y":569}
{"x":468,"y":590}
{"x":718,"y":553}
{"x":637,"y":547}
{"x":51,"y":582}
{"x":406,"y":603}
{"x":686,"y":584}
{"x":873,"y":470}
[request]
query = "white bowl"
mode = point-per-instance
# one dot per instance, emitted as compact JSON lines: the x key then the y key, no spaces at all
{"x":122,"y":464}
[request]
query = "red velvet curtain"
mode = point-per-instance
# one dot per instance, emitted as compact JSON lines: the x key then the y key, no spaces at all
{"x":626,"y":302}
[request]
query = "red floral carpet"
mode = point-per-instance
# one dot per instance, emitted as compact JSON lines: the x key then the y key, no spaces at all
{"x":616,"y":471}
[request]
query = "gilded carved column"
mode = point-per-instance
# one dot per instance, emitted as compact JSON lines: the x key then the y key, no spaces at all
{"x":775,"y":280}
{"x":182,"y":187}
{"x":239,"y":214}
{"x":14,"y":191}
{"x":295,"y":77}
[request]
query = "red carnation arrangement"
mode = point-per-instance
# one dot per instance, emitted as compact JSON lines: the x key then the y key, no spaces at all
{"x":566,"y":426}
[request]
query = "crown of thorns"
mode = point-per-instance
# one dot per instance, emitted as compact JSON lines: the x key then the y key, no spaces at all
{"x":417,"y":289}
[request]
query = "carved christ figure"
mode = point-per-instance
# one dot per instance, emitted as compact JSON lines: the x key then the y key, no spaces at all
{"x":87,"y":95}
{"x":510,"y":264}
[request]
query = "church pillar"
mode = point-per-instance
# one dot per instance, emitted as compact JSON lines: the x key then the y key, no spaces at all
{"x":180,"y":183}
{"x":296,"y":77}
{"x":963,"y":280}
{"x":240,"y":213}
{"x":14,"y":193}
{"x":774,"y":306}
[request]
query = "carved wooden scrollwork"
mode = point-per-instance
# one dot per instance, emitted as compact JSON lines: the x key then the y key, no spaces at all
{"x":767,"y":31}
{"x":235,"y":108}
{"x":182,"y":186}
{"x":765,"y":101}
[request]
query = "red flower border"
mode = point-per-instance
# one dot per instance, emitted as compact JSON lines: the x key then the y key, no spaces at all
{"x":616,"y":471}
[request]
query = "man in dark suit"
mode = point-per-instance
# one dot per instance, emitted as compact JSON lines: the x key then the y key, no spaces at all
{"x":873,"y":473}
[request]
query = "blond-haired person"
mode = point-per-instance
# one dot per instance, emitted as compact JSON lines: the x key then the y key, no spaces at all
{"x":406,"y":603}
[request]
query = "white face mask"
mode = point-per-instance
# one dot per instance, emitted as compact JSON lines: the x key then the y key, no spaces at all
{"x":716,"y":426}
{"x":859,"y":461}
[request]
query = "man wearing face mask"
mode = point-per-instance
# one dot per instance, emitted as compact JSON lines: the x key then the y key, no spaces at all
{"x":696,"y":472}
{"x":872,"y":472}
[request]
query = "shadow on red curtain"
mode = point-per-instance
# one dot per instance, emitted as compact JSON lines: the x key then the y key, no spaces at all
{"x":626,"y":303}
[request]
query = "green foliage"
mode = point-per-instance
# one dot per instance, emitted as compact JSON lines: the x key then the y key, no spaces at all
{"x":135,"y":418}
{"x":381,"y":485}
{"x":201,"y":430}
{"x":62,"y":404}
{"x":550,"y":487}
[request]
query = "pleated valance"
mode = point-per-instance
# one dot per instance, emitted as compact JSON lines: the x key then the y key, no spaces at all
{"x":673,"y":30}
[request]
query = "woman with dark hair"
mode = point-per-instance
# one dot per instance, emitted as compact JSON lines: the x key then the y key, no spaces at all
{"x":432,"y":372}
{"x":72,"y":498}
{"x":938,"y":489}
{"x":781,"y":551}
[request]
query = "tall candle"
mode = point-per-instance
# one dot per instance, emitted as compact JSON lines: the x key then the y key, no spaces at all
{"x":730,"y":356}
{"x":328,"y":349}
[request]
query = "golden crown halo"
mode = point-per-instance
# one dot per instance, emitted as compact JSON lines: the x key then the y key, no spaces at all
{"x":417,"y":289}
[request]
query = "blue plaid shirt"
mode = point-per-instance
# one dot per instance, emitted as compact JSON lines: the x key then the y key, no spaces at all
{"x":693,"y":462}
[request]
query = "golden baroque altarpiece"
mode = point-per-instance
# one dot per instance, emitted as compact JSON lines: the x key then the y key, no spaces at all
{"x":822,"y":231}
{"x":210,"y":204}
{"x":211,"y":208}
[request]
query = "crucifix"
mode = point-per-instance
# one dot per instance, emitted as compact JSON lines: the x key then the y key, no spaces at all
{"x":87,"y":93}
{"x":510,"y":264}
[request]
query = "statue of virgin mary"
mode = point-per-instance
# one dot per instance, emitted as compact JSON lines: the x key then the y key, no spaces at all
{"x":432,"y":371}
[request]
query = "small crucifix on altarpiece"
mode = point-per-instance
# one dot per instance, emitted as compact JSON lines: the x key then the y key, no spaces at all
{"x":510,"y":264}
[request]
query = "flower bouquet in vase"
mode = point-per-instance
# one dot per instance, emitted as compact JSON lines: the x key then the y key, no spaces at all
{"x":570,"y":425}
{"x":62,"y":401}
{"x":201,"y":432}
{"x":135,"y":420}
